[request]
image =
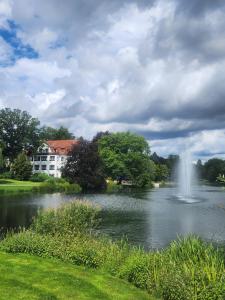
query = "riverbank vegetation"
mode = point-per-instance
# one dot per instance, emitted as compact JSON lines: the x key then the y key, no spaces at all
{"x":188,"y":269}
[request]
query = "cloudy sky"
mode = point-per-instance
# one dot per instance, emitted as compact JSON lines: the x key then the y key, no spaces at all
{"x":152,"y":67}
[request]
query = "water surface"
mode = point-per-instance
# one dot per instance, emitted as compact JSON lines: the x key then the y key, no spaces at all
{"x":150,"y":218}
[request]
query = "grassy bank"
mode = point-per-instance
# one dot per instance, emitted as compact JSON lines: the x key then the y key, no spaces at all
{"x":29,"y":277}
{"x":14,"y":186}
{"x":189,"y":269}
{"x":51,"y":185}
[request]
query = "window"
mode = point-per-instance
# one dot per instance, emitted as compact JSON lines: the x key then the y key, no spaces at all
{"x":37,"y":158}
{"x":36,"y":167}
{"x":43,"y":158}
{"x":52,"y":158}
{"x":62,"y":158}
{"x":43,"y":167}
{"x":51,"y":167}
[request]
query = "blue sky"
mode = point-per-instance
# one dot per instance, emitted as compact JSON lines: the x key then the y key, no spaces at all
{"x":19,"y":49}
{"x":153,"y":67}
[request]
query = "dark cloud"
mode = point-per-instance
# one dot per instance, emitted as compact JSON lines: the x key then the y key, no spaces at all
{"x":195,"y":8}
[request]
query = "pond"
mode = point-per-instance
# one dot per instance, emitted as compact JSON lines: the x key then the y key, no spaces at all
{"x":150,"y":218}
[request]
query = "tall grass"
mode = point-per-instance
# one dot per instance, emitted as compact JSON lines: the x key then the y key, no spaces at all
{"x":69,"y":218}
{"x":189,"y":269}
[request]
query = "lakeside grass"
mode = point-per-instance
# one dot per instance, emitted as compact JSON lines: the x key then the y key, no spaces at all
{"x":188,"y":269}
{"x":14,"y":186}
{"x":48,"y":186}
{"x":24,"y":276}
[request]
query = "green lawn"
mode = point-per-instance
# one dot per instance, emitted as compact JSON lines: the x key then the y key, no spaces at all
{"x":29,"y":277}
{"x":11,"y":185}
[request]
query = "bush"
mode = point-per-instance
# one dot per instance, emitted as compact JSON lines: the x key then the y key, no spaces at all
{"x":6,"y":175}
{"x":57,"y":185}
{"x":70,"y":218}
{"x":39,"y":177}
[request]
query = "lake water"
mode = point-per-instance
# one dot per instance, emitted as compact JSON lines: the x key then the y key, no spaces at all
{"x":150,"y":218}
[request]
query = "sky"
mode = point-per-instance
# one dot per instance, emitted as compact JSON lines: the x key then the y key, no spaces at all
{"x":154,"y":67}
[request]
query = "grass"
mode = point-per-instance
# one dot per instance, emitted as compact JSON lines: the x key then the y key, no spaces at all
{"x":11,"y":185}
{"x":51,"y":185}
{"x":28,"y":277}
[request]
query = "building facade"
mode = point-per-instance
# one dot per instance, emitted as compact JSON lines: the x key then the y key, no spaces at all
{"x":51,"y":157}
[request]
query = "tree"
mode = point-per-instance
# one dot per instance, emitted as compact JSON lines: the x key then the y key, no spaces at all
{"x":21,"y":167}
{"x":126,"y":156}
{"x":213,"y":168}
{"x":50,"y":133}
{"x":18,"y":132}
{"x":84,"y":166}
{"x":172,"y":162}
{"x":199,"y":169}
{"x":2,"y":163}
{"x":161,"y":172}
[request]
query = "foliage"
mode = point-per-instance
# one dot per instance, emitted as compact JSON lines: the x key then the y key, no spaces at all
{"x":84,"y":166}
{"x":161,"y":172}
{"x":76,"y":216}
{"x":39,"y":177}
{"x":113,"y":187}
{"x":213,"y":168}
{"x":18,"y":132}
{"x":2,"y":163}
{"x":50,"y":133}
{"x":58,"y":185}
{"x":126,"y":156}
{"x":22,"y":168}
{"x":188,"y":269}
{"x":6,"y":175}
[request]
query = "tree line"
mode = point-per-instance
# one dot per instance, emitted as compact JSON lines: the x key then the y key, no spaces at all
{"x":116,"y":156}
{"x":121,"y":156}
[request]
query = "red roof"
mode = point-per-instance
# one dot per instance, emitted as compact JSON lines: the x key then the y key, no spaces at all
{"x":61,"y":147}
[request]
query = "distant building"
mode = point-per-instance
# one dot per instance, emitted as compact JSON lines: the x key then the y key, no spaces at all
{"x":51,"y":157}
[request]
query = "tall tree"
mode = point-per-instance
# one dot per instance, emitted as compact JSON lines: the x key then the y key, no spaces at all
{"x":50,"y":133}
{"x":21,"y":167}
{"x":126,"y":156}
{"x":18,"y":132}
{"x":84,"y":166}
{"x":2,"y":164}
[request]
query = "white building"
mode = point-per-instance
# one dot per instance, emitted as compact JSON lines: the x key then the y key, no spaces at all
{"x":51,"y":157}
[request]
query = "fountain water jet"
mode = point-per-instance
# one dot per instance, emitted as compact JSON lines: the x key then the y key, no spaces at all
{"x":185,"y":174}
{"x":186,"y":177}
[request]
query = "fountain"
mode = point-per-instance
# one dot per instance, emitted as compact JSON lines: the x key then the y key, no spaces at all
{"x":186,"y":177}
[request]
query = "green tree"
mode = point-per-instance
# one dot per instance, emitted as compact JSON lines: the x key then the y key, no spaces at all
{"x":199,"y":169}
{"x":18,"y":132}
{"x":50,"y":133}
{"x":21,"y":167}
{"x":213,"y":168}
{"x":84,"y":166}
{"x":2,"y":163}
{"x":161,"y":172}
{"x":126,"y":156}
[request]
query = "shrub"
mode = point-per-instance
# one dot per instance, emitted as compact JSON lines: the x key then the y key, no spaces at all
{"x":113,"y":187}
{"x":6,"y":175}
{"x":73,"y":217}
{"x":39,"y":177}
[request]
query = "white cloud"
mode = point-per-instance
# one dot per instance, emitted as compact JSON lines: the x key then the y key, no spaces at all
{"x":119,"y":65}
